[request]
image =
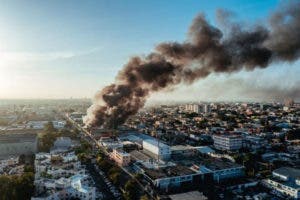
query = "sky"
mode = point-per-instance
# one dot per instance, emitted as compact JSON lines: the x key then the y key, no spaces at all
{"x":72,"y":49}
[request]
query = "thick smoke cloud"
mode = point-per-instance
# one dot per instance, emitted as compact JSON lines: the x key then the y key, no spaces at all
{"x":207,"y":50}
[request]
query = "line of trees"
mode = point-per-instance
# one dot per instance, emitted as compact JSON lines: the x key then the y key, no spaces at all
{"x":49,"y":135}
{"x":114,"y":173}
{"x":83,"y":151}
{"x":14,"y":187}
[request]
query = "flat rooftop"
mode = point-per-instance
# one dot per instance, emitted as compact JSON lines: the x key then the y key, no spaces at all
{"x":156,"y":143}
{"x":217,"y":164}
{"x":231,"y":136}
{"x":181,"y":148}
{"x":288,"y":171}
{"x":194,"y":195}
{"x":139,"y":156}
{"x":168,"y":172}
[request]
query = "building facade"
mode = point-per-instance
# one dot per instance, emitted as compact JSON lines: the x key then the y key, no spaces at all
{"x":161,"y":150}
{"x":286,"y":181}
{"x":228,"y":142}
{"x":120,"y":157}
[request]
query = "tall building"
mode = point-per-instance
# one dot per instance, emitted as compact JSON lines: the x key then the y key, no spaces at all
{"x":288,"y":102}
{"x":193,"y":108}
{"x":206,"y":108}
{"x":228,"y":142}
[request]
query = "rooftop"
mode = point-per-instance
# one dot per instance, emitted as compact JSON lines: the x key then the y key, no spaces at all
{"x":168,"y":172}
{"x":194,"y":195}
{"x":289,"y":172}
{"x":156,"y":143}
{"x":217,"y":164}
{"x":230,"y":136}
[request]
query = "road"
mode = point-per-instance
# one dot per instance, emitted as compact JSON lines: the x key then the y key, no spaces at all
{"x":100,"y":184}
{"x":99,"y":147}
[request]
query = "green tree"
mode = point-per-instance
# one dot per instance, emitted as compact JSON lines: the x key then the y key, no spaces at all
{"x":105,"y":165}
{"x":49,"y":127}
{"x":131,"y":193}
{"x":16,"y":187}
{"x":144,"y":197}
{"x":22,"y":159}
{"x":115,"y":178}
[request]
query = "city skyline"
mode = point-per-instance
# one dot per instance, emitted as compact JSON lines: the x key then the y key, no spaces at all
{"x":62,"y":50}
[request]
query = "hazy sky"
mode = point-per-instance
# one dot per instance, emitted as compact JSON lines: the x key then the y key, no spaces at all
{"x":67,"y":48}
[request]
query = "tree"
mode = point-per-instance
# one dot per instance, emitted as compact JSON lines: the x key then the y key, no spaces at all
{"x":139,"y":176}
{"x":49,"y":127}
{"x":28,"y":168}
{"x":25,"y":186}
{"x":105,"y":165}
{"x":17,"y":187}
{"x":22,"y":159}
{"x":5,"y":187}
{"x":131,"y":193}
{"x":115,"y":178}
{"x":144,"y":197}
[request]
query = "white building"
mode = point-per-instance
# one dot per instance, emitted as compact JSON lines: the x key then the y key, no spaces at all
{"x":172,"y":178}
{"x":62,"y":143}
{"x":193,"y":108}
{"x":41,"y":124}
{"x":206,"y":108}
{"x":228,"y":142}
{"x":161,"y":150}
{"x":285,"y":180}
{"x":59,"y":175}
{"x":221,"y":170}
{"x":66,"y":188}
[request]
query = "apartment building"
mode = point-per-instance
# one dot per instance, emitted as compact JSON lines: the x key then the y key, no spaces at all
{"x":286,"y":181}
{"x":228,"y":142}
{"x":120,"y":157}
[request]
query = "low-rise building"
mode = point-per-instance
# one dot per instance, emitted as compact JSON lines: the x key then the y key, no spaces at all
{"x":65,"y":188}
{"x":183,"y":150}
{"x":194,"y":195}
{"x":120,"y":157}
{"x":172,"y":178}
{"x":285,"y":180}
{"x":221,"y":170}
{"x":59,"y":175}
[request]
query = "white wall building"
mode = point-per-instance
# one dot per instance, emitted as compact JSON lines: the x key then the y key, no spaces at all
{"x":228,"y":142}
{"x":66,"y":188}
{"x":193,"y":108}
{"x":285,"y":180}
{"x":161,"y":150}
{"x":59,"y":175}
{"x":41,"y":124}
{"x":206,"y":108}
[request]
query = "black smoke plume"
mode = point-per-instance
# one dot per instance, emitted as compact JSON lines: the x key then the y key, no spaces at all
{"x":207,"y":50}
